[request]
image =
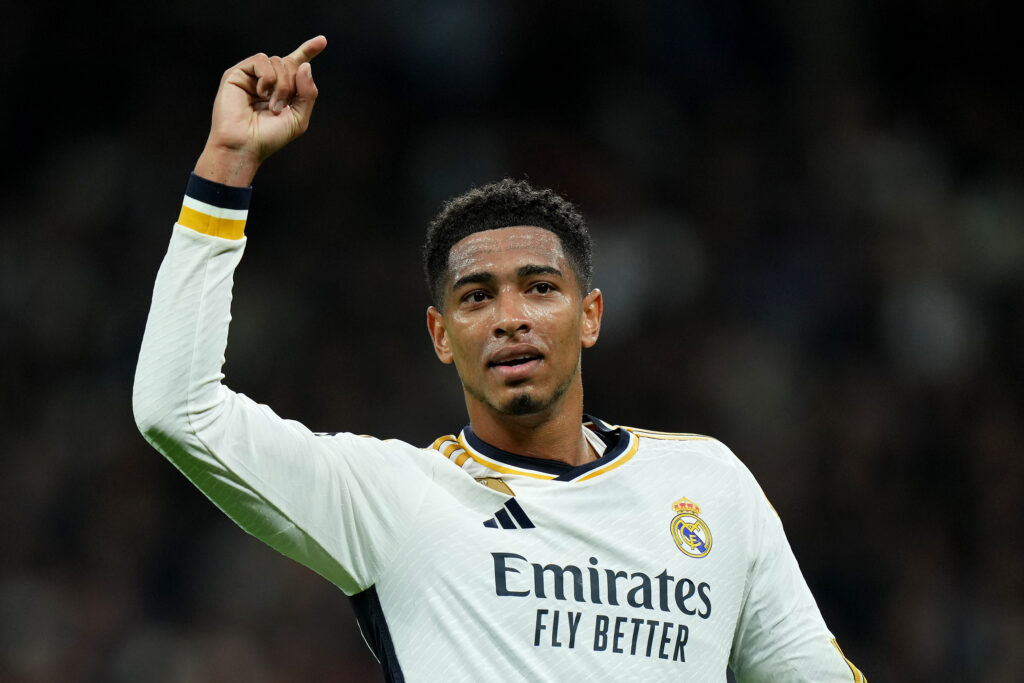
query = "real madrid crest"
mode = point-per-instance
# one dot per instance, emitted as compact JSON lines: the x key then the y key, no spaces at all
{"x":689,"y":531}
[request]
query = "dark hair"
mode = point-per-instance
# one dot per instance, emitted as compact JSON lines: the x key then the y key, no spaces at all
{"x":504,"y":204}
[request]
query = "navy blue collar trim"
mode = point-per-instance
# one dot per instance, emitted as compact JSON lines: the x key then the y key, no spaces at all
{"x":615,"y":440}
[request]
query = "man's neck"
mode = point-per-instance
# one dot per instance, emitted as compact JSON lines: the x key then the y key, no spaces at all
{"x":556,"y":434}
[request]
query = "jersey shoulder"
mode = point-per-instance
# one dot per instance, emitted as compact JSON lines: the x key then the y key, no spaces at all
{"x":686,"y":444}
{"x":666,"y":436}
{"x":711,"y":454}
{"x":680,"y":441}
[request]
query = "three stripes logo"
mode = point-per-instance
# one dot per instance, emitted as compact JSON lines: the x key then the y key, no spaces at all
{"x":510,"y":516}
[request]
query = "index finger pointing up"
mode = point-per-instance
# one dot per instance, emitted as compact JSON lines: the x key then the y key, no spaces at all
{"x":309,"y":49}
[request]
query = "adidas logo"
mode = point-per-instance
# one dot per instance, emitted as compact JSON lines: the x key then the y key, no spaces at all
{"x":504,"y":517}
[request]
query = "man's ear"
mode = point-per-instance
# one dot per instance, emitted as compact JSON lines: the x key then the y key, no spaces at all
{"x":439,"y":335}
{"x":593,"y":308}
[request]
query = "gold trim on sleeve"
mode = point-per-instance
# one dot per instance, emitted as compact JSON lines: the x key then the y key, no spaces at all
{"x":210,"y":225}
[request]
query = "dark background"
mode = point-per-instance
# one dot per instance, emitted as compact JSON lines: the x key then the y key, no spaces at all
{"x":809,"y":222}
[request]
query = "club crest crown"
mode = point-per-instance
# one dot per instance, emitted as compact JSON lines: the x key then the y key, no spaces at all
{"x":686,"y":506}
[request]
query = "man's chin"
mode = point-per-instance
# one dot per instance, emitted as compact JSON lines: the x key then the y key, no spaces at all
{"x":519,"y":401}
{"x":522,"y":404}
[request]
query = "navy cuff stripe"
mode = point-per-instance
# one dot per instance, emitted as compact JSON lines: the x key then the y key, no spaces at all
{"x":222,"y":196}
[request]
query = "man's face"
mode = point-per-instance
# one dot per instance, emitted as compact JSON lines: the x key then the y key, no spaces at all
{"x":514,"y":321}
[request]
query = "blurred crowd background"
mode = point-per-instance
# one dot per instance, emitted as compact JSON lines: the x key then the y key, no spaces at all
{"x":809,"y":223}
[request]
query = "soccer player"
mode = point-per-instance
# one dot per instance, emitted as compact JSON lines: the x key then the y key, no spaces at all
{"x":537,"y":544}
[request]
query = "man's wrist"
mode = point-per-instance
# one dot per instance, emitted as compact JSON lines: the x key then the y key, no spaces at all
{"x":226,"y":166}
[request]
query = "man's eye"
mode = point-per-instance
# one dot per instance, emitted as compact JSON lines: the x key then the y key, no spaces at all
{"x":543,"y":288}
{"x":476,"y":297}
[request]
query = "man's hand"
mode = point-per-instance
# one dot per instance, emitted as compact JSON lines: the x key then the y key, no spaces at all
{"x":263,"y":103}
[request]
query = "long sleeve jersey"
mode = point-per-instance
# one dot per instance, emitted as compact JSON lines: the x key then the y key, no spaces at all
{"x":661,"y":560}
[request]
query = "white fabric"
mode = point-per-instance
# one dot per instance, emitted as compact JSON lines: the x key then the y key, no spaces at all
{"x":410,"y":522}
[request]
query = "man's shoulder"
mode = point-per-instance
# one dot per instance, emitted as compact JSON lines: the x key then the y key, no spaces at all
{"x":685,"y":443}
{"x":657,"y":435}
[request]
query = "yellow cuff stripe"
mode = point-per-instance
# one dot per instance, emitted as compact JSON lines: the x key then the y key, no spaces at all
{"x":209,"y":225}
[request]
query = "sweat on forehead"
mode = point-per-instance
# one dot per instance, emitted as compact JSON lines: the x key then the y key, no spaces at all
{"x":512,"y":238}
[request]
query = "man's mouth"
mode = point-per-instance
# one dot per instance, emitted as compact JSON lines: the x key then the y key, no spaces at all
{"x":517,"y":360}
{"x":516,"y":365}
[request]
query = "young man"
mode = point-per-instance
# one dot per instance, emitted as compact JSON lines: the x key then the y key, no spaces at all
{"x":538,"y":544}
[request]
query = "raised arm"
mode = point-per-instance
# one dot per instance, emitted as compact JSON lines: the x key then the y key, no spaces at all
{"x":263,"y":103}
{"x":337,"y":504}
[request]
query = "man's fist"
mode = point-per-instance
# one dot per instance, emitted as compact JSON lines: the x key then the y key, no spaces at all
{"x":263,"y":103}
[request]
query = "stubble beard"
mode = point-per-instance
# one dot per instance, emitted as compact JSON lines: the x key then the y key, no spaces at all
{"x":525,"y":402}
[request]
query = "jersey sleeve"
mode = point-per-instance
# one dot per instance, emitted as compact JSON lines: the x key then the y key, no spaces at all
{"x":781,"y":635}
{"x":335,"y":503}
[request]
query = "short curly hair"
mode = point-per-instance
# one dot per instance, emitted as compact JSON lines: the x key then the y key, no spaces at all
{"x":504,"y":204}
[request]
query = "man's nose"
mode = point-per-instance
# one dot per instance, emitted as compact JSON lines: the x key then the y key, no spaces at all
{"x":511,"y":316}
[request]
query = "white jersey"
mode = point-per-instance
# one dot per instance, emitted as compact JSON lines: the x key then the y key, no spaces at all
{"x":661,"y":560}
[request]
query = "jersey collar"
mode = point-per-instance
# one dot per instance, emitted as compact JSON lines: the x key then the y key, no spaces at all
{"x":620,"y":445}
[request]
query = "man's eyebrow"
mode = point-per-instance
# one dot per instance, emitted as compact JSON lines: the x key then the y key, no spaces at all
{"x":488,"y":278}
{"x":481,"y":278}
{"x":530,"y":270}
